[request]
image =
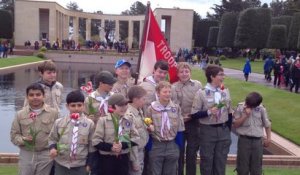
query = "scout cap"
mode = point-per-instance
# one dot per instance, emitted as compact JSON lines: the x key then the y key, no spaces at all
{"x":121,"y":62}
{"x":106,"y":78}
{"x":117,"y":99}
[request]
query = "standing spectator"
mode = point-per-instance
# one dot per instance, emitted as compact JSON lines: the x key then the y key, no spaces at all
{"x":1,"y":49}
{"x":277,"y":73}
{"x":247,"y":69}
{"x":250,"y":119}
{"x":212,"y":106}
{"x":36,"y":45}
{"x":5,"y":50}
{"x":268,"y":66}
{"x":295,"y":75}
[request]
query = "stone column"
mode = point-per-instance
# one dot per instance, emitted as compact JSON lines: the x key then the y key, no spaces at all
{"x":102,"y":32}
{"x":52,"y":25}
{"x":88,"y":28}
{"x":75,"y":29}
{"x":130,"y":34}
{"x":66,"y":27}
{"x":117,"y":31}
{"x":141,"y":30}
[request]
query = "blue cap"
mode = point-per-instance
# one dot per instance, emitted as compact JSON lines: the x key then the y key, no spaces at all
{"x":121,"y":62}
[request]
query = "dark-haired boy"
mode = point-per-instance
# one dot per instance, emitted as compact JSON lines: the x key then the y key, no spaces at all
{"x":30,"y":130}
{"x":71,"y":137}
{"x":53,"y":89}
{"x":250,"y":120}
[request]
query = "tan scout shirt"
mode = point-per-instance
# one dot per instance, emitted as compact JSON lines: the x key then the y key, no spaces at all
{"x":183,"y":94}
{"x":105,"y":132}
{"x":53,"y":95}
{"x":175,"y":119}
{"x":96,"y":98}
{"x":149,"y":86}
{"x":137,"y":117}
{"x":254,"y":124}
{"x":62,"y":133}
{"x":122,"y":88}
{"x":43,"y":124}
{"x":205,"y":99}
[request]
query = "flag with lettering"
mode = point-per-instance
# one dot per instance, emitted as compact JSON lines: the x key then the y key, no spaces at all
{"x":154,"y":47}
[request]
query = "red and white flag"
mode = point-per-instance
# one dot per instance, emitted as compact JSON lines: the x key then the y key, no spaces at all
{"x":154,"y":47}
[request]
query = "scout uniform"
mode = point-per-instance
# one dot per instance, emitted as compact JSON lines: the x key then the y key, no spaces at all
{"x":99,"y":103}
{"x":53,"y":94}
{"x":183,"y":95}
{"x":122,"y":88}
{"x":36,"y":160}
{"x":167,"y":121}
{"x":76,"y":138}
{"x":149,"y":85}
{"x":103,"y":139}
{"x":250,"y":142}
{"x":214,"y":133}
{"x":137,"y":117}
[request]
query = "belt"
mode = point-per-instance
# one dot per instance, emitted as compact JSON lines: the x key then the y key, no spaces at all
{"x":218,"y":125}
{"x":250,"y":137}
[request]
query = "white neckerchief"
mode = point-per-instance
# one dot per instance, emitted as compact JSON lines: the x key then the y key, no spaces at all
{"x":120,"y":127}
{"x":152,"y":81}
{"x":74,"y":139}
{"x":217,"y":93}
{"x":102,"y":101}
{"x":165,"y":121}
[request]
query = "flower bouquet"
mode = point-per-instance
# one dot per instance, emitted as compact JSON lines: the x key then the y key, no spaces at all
{"x":33,"y":132}
{"x":119,"y":135}
{"x":89,"y":89}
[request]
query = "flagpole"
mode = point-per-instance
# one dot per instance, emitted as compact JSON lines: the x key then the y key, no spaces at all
{"x":142,"y":45}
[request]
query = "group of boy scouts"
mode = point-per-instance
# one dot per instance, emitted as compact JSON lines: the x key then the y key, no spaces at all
{"x":108,"y":132}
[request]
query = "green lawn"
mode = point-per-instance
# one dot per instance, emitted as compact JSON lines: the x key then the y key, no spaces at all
{"x":5,"y":62}
{"x":238,"y":63}
{"x":13,"y":170}
{"x":282,"y":106}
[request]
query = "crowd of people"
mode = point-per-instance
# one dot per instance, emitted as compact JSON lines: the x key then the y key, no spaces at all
{"x":120,"y":128}
{"x":6,"y":48}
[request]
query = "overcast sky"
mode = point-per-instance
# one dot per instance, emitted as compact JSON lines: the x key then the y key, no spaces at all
{"x":117,"y":6}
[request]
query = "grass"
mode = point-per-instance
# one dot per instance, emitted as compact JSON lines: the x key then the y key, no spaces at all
{"x":13,"y":170}
{"x":5,"y":62}
{"x":257,"y":66}
{"x":282,"y":106}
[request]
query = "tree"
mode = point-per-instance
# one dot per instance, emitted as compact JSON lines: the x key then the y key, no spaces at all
{"x":232,"y":6}
{"x":212,"y":36}
{"x":278,"y":37}
{"x":136,"y":8}
{"x":227,"y":29}
{"x":74,"y":6}
{"x":294,"y":31}
{"x":278,"y":8}
{"x":204,"y":26}
{"x":9,"y":6}
{"x":253,"y":28}
{"x":283,"y":20}
{"x":196,"y":29}
{"x":6,"y":30}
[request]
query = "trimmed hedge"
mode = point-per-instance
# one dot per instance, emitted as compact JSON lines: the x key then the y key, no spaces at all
{"x":227,"y":29}
{"x":277,"y":37}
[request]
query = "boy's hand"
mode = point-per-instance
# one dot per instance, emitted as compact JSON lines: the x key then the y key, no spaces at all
{"x":186,"y":118}
{"x":136,"y":167}
{"x":88,"y":169}
{"x":117,"y":147}
{"x":150,"y":128}
{"x":267,"y":142}
{"x":27,"y":138}
{"x":214,"y":110}
{"x":247,"y":111}
{"x":53,"y":153}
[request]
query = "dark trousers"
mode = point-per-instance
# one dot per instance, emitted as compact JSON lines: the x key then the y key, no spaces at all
{"x":114,"y":165}
{"x":296,"y":82}
{"x":146,"y":170}
{"x":61,"y":170}
{"x":249,"y":156}
{"x":276,"y":79}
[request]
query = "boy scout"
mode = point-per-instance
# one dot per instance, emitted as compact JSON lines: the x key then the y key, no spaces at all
{"x":183,"y":93}
{"x":30,"y":130}
{"x":136,"y":95}
{"x":213,"y":106}
{"x":159,"y":74}
{"x":168,"y":124}
{"x":114,"y":159}
{"x":104,"y":82}
{"x":53,"y":89}
{"x":124,"y":79}
{"x":250,"y":118}
{"x":70,"y":140}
